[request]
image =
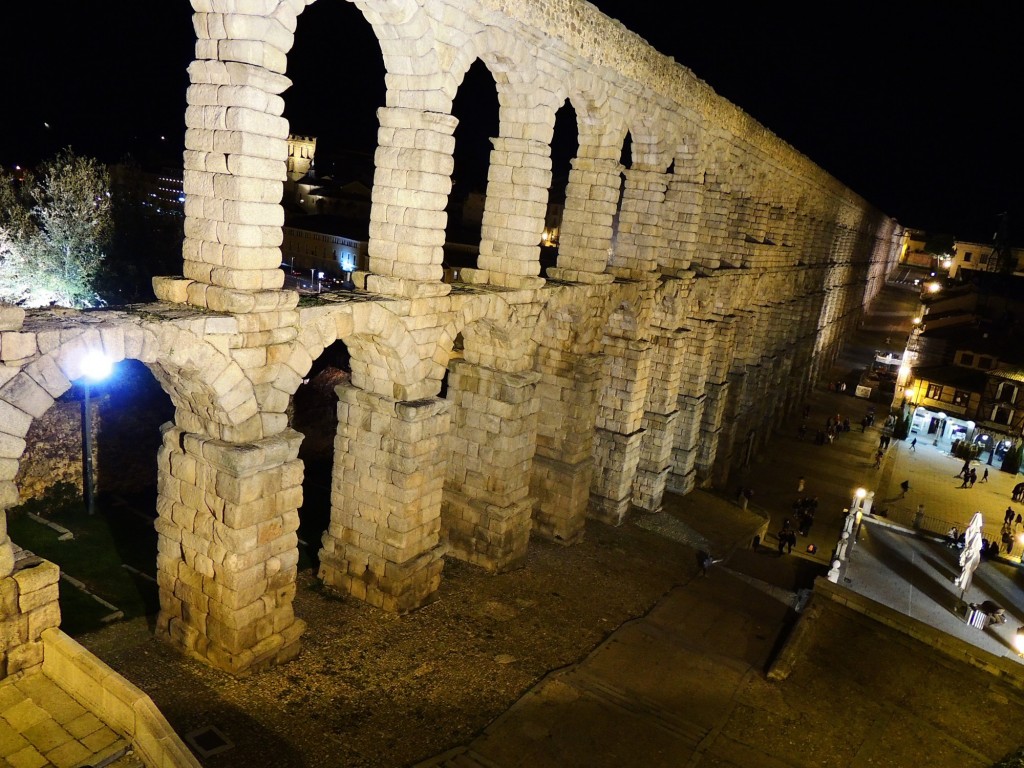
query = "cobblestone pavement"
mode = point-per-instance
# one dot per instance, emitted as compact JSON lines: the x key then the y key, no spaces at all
{"x":372,"y":689}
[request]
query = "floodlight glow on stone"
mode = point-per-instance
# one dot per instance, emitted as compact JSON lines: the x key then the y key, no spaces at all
{"x":96,"y":365}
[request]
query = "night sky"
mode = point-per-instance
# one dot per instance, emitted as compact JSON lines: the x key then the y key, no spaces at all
{"x":917,"y":113}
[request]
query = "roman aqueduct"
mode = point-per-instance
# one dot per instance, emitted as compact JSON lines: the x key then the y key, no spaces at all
{"x":698,"y":294}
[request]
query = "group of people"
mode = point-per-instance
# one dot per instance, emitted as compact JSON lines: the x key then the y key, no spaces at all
{"x":970,"y":475}
{"x":883,"y":445}
{"x":834,"y":425}
{"x":804,"y":509}
{"x":1010,"y":532}
{"x":786,"y":536}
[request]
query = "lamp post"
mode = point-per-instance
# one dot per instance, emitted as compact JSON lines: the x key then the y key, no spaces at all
{"x":95,"y":367}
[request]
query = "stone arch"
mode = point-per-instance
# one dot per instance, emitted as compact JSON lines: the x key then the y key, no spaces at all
{"x":600,"y":133}
{"x":410,"y":51}
{"x":650,"y":129}
{"x":385,"y":357}
{"x":210,"y":392}
{"x":494,"y":333}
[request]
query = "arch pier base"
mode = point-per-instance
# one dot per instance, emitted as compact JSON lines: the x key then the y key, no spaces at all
{"x":383,"y":542}
{"x":227,"y":548}
{"x":563,"y":465}
{"x":486,"y":510}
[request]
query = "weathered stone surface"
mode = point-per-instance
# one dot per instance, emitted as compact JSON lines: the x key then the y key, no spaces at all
{"x":673,"y":324}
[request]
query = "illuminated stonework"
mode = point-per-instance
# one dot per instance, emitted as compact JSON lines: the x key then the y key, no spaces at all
{"x":686,"y":317}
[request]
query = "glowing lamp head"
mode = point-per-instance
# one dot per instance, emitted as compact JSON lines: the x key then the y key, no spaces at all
{"x":1018,"y":641}
{"x":96,"y":366}
{"x":860,"y":493}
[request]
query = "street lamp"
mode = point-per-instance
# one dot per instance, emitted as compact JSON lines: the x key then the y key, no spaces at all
{"x":96,"y":366}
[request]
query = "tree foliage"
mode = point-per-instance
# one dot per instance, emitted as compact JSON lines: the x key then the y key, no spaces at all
{"x":54,"y":228}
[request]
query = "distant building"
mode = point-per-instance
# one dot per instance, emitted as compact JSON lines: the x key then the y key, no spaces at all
{"x":912,"y":250}
{"x":161,"y":191}
{"x":301,"y":152}
{"x":979,"y":257}
{"x":967,"y":379}
{"x":325,"y":244}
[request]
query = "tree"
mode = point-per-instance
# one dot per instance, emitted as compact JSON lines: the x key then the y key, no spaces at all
{"x":54,"y":228}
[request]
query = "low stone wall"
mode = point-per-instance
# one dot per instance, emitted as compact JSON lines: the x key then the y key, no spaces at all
{"x":115,"y":701}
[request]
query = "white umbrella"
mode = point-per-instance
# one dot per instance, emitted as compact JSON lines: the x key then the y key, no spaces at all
{"x":971,"y":554}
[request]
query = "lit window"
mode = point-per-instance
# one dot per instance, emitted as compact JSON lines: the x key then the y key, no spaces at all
{"x":966,"y":358}
{"x":934,"y":392}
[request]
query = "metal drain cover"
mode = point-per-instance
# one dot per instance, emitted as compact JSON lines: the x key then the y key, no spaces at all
{"x":208,"y":741}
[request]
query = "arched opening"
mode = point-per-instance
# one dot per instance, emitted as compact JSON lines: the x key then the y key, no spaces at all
{"x":107,"y":558}
{"x":476,"y":108}
{"x":314,"y":413}
{"x":333,"y":126}
{"x":564,"y":147}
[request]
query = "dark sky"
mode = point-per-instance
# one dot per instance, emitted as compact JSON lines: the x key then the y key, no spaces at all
{"x":917,"y":113}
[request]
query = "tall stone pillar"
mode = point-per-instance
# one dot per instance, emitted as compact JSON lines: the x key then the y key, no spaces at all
{"x":659,"y":421}
{"x":619,"y":427}
{"x":684,"y":198}
{"x":563,"y":465}
{"x":640,"y":237}
{"x":519,"y":178}
{"x":227,"y":548}
{"x":717,"y":393}
{"x":382,"y":545}
{"x":591,"y":202}
{"x":690,"y":405}
{"x":411,"y":183}
{"x":486,"y":507}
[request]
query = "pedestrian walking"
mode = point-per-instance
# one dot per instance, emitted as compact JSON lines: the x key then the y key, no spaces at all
{"x":1008,"y":515}
{"x":967,"y":479}
{"x":1018,"y":491}
{"x":878,"y":458}
{"x":784,"y":534}
{"x":913,"y":445}
{"x":800,"y":485}
{"x":964,"y":469}
{"x":707,"y":560}
{"x":904,"y":487}
{"x":973,"y":477}
{"x":984,"y":477}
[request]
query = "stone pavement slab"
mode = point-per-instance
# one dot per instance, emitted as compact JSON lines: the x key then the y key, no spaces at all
{"x":41,"y":726}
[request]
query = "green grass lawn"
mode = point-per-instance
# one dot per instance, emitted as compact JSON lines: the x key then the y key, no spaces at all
{"x":101,"y":544}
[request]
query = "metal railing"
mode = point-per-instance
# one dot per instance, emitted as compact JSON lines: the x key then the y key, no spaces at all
{"x":909,"y":517}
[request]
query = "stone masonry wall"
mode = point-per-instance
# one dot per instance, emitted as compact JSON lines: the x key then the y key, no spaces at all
{"x":719,"y":223}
